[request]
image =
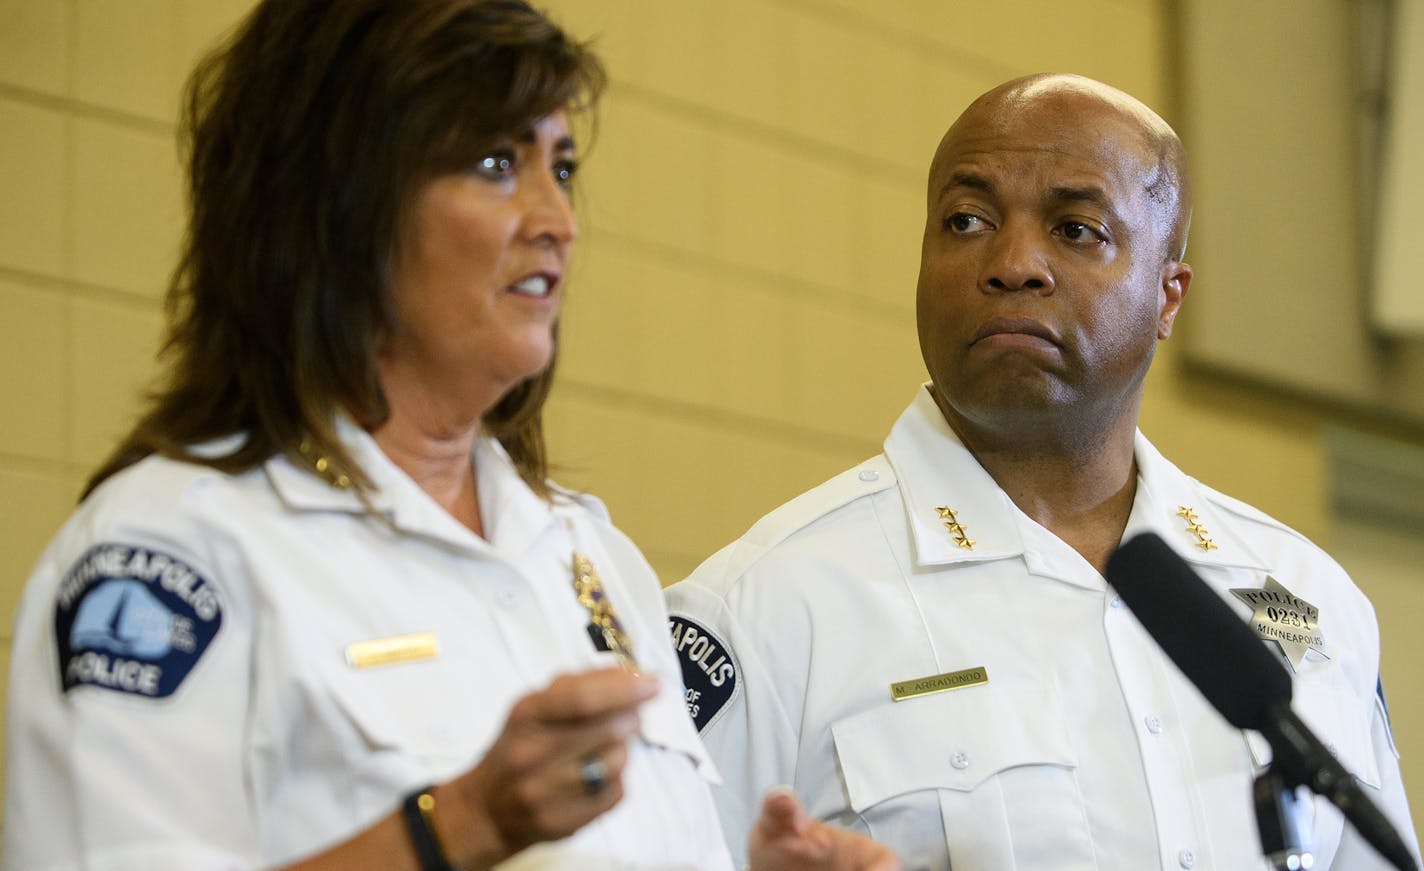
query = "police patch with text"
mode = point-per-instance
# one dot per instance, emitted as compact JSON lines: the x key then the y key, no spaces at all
{"x":709,"y":671}
{"x":133,"y":620}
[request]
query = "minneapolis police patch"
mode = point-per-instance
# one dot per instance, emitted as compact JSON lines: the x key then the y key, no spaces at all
{"x":709,"y":671}
{"x":133,"y":620}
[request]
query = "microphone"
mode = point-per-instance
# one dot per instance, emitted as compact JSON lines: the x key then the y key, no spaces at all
{"x":1232,"y":668}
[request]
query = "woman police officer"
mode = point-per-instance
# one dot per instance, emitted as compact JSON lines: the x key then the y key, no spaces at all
{"x":322,"y":608}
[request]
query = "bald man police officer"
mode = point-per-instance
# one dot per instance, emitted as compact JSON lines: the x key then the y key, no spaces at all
{"x":925,"y":648}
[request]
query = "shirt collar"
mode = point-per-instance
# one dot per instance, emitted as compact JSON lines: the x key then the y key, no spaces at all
{"x":301,"y":489}
{"x":936,"y":473}
{"x":1177,"y":508}
{"x":513,"y":514}
{"x":934,"y":470}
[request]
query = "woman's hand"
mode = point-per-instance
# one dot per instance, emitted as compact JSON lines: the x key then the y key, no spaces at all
{"x":556,"y":766}
{"x":785,"y":837}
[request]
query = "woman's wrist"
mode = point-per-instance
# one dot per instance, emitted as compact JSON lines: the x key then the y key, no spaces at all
{"x":466,"y":828}
{"x":418,"y":811}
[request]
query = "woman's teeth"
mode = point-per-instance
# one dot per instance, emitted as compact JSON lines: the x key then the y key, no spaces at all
{"x":534,"y":285}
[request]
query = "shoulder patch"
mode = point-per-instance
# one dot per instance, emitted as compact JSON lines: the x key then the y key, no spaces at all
{"x":132,"y":620}
{"x":709,"y":670}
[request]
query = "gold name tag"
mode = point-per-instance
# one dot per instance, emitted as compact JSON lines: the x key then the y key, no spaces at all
{"x":939,"y":683}
{"x":389,"y":651}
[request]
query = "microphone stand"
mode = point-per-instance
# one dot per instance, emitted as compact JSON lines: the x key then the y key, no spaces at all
{"x":1278,"y":809}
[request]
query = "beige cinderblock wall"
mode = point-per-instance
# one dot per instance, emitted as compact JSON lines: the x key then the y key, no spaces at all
{"x":741,"y":319}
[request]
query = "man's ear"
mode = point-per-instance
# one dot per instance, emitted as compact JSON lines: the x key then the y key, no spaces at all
{"x":1176,"y":278}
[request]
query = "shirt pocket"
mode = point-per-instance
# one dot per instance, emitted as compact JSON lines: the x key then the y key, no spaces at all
{"x":1324,"y":701}
{"x":996,"y":763}
{"x":406,"y":723}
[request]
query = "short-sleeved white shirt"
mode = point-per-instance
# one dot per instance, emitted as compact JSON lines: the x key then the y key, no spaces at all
{"x":1085,"y":748}
{"x":237,"y":735}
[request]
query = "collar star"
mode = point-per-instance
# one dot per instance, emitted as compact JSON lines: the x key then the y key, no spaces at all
{"x":1280,"y":616}
{"x":951,"y":522}
{"x":1203,"y":538}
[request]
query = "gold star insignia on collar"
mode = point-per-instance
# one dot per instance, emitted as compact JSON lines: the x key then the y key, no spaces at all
{"x":1203,"y":538}
{"x":323,"y":466}
{"x":956,"y":529}
{"x":1280,"y":616}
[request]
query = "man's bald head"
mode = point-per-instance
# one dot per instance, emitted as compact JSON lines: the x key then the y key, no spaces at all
{"x":1056,"y":101}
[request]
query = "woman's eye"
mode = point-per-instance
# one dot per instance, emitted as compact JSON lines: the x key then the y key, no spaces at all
{"x":963,"y":222}
{"x":564,"y":171}
{"x":497,"y":165}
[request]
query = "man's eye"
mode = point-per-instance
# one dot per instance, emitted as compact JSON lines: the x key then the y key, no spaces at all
{"x":1077,"y":231}
{"x":963,"y":222}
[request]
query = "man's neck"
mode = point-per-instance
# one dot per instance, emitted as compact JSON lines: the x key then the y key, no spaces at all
{"x":1086,"y":504}
{"x":1078,"y":485}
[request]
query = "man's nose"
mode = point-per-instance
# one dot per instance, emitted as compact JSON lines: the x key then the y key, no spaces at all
{"x":1018,"y":259}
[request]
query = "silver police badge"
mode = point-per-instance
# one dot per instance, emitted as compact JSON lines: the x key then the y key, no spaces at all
{"x":1283,"y":617}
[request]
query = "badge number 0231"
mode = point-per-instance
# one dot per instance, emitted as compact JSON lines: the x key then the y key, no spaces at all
{"x":1280,"y":616}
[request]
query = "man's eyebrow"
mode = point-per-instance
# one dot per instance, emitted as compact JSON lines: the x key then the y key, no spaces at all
{"x":972,"y":181}
{"x":1088,"y":194}
{"x":1060,"y":194}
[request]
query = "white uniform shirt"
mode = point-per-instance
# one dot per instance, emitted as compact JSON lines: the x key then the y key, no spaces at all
{"x":270,"y":746}
{"x":1086,"y":748}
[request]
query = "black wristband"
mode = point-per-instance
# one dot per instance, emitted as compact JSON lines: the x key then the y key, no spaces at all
{"x":419,"y":811}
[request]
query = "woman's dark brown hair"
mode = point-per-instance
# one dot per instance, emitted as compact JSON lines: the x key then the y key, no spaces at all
{"x":310,"y":131}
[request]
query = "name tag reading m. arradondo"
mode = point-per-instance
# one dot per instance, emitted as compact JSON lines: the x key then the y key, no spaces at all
{"x":939,"y":683}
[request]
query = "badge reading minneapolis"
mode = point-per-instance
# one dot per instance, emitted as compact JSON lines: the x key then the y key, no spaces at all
{"x":133,"y":620}
{"x":709,"y":672}
{"x":1280,"y":616}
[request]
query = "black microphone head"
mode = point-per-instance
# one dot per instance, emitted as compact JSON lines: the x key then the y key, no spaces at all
{"x":1212,"y":646}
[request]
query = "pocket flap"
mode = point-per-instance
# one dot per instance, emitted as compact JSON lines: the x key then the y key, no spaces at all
{"x":1342,"y":724}
{"x":953,"y":740}
{"x":391,"y":711}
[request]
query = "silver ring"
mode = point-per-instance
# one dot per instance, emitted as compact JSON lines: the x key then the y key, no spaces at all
{"x":593,"y":774}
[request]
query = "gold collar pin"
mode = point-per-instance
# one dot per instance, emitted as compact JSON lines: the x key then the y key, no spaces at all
{"x":951,"y":522}
{"x":1203,"y":538}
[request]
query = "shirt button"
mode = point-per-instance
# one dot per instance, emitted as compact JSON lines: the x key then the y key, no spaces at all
{"x":507,"y":598}
{"x":1116,"y":602}
{"x":1187,"y":859}
{"x":1154,"y":725}
{"x":869,"y":475}
{"x":959,"y":760}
